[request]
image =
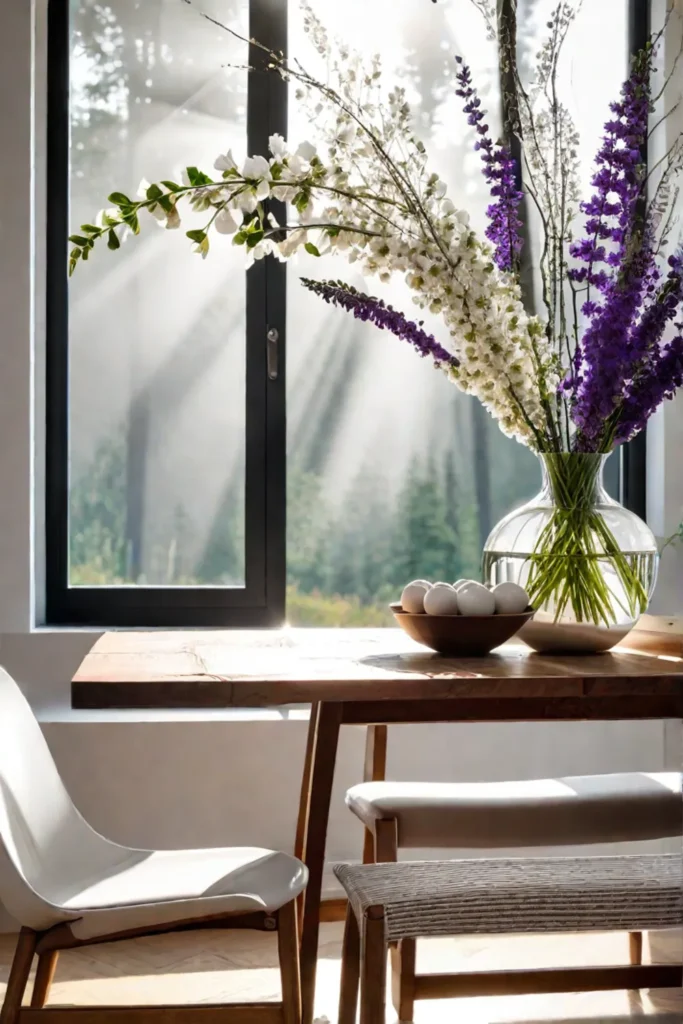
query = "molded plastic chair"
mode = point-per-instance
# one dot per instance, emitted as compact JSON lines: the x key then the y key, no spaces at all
{"x":69,"y":886}
{"x":572,"y":811}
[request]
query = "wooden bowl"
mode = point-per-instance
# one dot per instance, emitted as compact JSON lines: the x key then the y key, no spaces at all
{"x":464,"y":635}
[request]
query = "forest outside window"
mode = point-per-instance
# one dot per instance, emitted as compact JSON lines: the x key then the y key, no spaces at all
{"x":169,"y":477}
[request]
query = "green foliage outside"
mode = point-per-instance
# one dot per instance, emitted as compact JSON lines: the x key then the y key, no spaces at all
{"x":345,"y":563}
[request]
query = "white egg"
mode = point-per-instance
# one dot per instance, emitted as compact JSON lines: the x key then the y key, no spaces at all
{"x":440,"y":583}
{"x":510,"y":598}
{"x":476,"y":600}
{"x":420,"y":583}
{"x":460,"y":583}
{"x":467,"y":583}
{"x":441,"y":600}
{"x":412,"y":598}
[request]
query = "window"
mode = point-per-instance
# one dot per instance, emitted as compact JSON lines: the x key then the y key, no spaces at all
{"x":166,"y":437}
{"x":178,"y":492}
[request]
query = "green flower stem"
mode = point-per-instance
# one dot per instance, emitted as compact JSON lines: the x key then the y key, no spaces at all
{"x":575,"y":546}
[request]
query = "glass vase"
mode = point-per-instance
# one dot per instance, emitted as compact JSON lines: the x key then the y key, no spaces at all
{"x":588,"y":564}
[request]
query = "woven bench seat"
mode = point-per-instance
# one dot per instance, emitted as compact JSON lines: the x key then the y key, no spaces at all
{"x":394,"y":904}
{"x":550,"y":894}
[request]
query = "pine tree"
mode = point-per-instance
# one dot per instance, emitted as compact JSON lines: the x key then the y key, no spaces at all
{"x":464,"y":521}
{"x":361,"y":541}
{"x":426,"y":544}
{"x":308,"y":530}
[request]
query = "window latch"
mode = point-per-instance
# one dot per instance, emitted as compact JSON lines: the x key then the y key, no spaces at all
{"x":272,"y":339}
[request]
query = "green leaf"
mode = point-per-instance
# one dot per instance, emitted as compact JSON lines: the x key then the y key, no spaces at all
{"x":78,"y":240}
{"x":110,"y":222}
{"x":165,"y":203}
{"x":90,"y":229}
{"x":196,"y":177}
{"x":196,"y":235}
{"x":113,"y":240}
{"x":153,"y":192}
{"x":240,"y":238}
{"x":172,"y":186}
{"x":85,"y":253}
{"x":254,"y":238}
{"x":131,"y":219}
{"x":300,"y":201}
{"x":120,"y":199}
{"x":313,"y":249}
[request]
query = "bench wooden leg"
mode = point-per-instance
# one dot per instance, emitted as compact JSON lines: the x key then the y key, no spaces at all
{"x":47,"y":964}
{"x":386,"y":841}
{"x":18,"y":976}
{"x":403,"y":978}
{"x":350,"y":970}
{"x":373,"y":969}
{"x":635,"y":947}
{"x":374,"y":770}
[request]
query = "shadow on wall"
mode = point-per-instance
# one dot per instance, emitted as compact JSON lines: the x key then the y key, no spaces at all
{"x":43,"y":664}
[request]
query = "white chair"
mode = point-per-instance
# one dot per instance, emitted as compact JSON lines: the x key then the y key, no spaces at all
{"x":571,"y":811}
{"x":68,"y":886}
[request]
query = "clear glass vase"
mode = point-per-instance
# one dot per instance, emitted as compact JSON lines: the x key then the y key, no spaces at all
{"x":588,"y":564}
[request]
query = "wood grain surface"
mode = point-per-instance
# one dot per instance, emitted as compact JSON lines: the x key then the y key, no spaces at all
{"x":254,"y":668}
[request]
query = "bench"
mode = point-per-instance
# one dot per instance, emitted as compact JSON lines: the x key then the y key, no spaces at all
{"x":395,"y":904}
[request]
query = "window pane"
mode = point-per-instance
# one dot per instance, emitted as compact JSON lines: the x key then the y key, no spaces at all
{"x":157,"y":339}
{"x":394,"y":474}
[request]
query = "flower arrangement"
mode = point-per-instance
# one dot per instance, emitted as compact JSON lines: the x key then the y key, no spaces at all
{"x":571,"y":383}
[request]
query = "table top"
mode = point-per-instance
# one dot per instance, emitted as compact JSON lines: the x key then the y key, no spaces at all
{"x":259,"y":668}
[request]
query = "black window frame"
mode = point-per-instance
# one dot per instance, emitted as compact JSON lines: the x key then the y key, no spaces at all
{"x":261,"y":602}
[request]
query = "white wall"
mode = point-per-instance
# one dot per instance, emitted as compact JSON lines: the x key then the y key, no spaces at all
{"x":194,"y":783}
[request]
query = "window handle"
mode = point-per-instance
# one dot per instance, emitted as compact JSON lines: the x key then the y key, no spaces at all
{"x":272,"y":339}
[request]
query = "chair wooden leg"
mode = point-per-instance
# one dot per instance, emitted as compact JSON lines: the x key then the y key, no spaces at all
{"x":403,"y":978}
{"x":374,"y":770}
{"x":635,"y":947}
{"x":47,"y":964}
{"x":373,"y":968}
{"x":288,"y":950}
{"x":350,"y":970}
{"x":18,"y":976}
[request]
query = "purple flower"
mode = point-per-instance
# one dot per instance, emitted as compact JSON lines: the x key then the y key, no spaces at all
{"x":611,"y":347}
{"x":660,"y":370}
{"x":659,"y":383}
{"x":617,"y":180}
{"x":367,"y":307}
{"x":627,"y":321}
{"x":615,"y":389}
{"x":500,"y":171}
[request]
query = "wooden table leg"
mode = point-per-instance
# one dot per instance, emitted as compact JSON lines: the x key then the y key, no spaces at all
{"x":323,"y":759}
{"x":374,"y":770}
{"x":305,"y":801}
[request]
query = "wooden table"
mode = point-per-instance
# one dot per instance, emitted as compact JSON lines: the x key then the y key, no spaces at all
{"x":364,"y":677}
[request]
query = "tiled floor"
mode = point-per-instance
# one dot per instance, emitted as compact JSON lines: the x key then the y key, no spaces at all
{"x":238,"y":966}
